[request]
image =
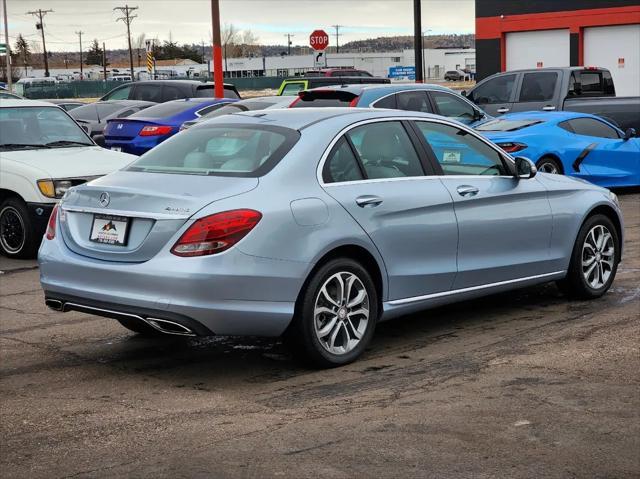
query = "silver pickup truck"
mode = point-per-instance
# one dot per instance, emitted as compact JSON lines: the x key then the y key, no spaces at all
{"x":583,"y":89}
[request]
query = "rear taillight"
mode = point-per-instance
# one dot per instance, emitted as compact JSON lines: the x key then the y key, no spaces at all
{"x":512,"y":147}
{"x":151,"y":130}
{"x":354,"y":102}
{"x":51,"y":226}
{"x":216,"y":233}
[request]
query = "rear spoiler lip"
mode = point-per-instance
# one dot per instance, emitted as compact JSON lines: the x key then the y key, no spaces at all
{"x":308,"y":95}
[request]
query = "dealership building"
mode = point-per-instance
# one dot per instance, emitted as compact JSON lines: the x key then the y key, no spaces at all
{"x":558,"y":33}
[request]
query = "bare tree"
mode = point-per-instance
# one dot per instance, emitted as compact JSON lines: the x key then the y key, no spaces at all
{"x":140,"y":44}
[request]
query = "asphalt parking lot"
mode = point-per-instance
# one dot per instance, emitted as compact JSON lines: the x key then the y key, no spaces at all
{"x":523,"y":384}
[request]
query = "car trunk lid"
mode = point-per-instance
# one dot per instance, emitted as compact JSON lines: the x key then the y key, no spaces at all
{"x":148,"y":207}
{"x":121,"y":129}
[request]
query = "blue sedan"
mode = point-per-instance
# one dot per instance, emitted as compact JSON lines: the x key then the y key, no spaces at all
{"x":570,"y":143}
{"x":145,"y":129}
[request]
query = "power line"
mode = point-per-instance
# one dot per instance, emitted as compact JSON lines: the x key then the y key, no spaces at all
{"x":40,"y":26}
{"x":337,"y":27}
{"x":127,"y":19}
{"x":79,"y":33}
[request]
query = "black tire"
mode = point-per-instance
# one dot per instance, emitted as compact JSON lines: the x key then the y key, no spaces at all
{"x":575,"y":284}
{"x":547,"y":163}
{"x":140,"y":327}
{"x":17,"y":236}
{"x":301,"y":335}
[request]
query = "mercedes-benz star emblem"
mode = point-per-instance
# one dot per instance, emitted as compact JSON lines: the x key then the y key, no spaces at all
{"x":104,"y":199}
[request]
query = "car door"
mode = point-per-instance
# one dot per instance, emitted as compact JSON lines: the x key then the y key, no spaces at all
{"x":377,"y":174}
{"x":495,"y":95}
{"x":609,"y":159}
{"x":538,"y":91}
{"x":452,"y":105}
{"x":504,"y":222}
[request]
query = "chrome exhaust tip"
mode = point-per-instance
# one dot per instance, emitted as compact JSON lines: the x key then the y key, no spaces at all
{"x":169,"y":327}
{"x":54,"y":304}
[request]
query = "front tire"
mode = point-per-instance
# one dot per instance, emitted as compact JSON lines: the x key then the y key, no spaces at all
{"x":336,"y":315}
{"x":17,"y":238}
{"x":594,"y":260}
{"x":550,"y":165}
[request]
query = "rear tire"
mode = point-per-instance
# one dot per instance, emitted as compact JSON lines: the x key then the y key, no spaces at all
{"x":594,"y":260}
{"x":17,"y":238}
{"x":547,"y":164}
{"x":336,"y":315}
{"x":140,"y":327}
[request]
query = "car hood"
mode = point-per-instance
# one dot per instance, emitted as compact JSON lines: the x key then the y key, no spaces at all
{"x":75,"y":162}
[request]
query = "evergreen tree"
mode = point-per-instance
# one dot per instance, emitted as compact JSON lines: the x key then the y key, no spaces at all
{"x":94,"y":54}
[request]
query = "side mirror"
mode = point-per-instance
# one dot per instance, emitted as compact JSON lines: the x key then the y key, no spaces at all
{"x":464,"y":93}
{"x":525,"y":168}
{"x":100,"y":140}
{"x":629,"y":133}
{"x":478,"y":115}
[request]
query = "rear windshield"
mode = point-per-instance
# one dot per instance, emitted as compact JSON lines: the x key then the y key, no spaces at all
{"x":95,"y":111}
{"x":206,"y":91}
{"x":220,"y":150}
{"x":507,"y":125}
{"x":323,"y":100}
{"x":164,"y":110}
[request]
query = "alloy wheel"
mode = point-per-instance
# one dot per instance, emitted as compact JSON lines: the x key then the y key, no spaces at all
{"x":341,"y":313}
{"x":598,"y":256}
{"x":548,"y":167}
{"x":12,"y":230}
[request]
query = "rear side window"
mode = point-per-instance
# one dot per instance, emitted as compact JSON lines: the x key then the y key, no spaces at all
{"x":341,"y":165}
{"x":452,"y":106}
{"x":496,"y":90}
{"x":293,"y":88}
{"x":538,"y":86}
{"x":220,"y":150}
{"x":591,"y":127}
{"x":595,"y":83}
{"x":386,"y":102}
{"x":148,"y":92}
{"x":414,"y":101}
{"x":385,"y":150}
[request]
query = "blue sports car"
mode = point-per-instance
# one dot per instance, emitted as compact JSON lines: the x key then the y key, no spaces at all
{"x":140,"y":132}
{"x":570,"y":143}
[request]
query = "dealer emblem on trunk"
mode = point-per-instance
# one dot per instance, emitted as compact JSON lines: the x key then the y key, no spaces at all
{"x":104,"y":199}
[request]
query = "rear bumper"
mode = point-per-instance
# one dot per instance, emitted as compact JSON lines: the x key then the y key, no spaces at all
{"x":227,"y":294}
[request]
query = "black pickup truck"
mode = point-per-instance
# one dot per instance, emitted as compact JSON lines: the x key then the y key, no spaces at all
{"x":583,"y":89}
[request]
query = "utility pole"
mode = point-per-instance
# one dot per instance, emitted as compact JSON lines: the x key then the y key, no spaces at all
{"x":202,"y":56}
{"x":7,"y":51}
{"x":127,"y":19}
{"x":417,"y":39}
{"x":104,"y":61}
{"x":79,"y":33}
{"x":337,"y":27}
{"x":288,"y":35}
{"x":40,"y":26}
{"x":218,"y":85}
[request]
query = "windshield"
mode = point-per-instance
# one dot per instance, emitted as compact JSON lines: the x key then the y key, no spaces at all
{"x":507,"y":125}
{"x":220,"y":150}
{"x":39,"y":127}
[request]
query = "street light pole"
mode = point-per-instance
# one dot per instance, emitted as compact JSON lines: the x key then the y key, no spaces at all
{"x":7,"y":48}
{"x":417,"y":39}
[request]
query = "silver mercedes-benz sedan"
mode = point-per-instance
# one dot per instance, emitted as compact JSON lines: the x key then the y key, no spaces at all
{"x":317,"y":224}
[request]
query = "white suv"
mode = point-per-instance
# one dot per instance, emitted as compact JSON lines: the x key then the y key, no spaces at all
{"x":43,"y":152}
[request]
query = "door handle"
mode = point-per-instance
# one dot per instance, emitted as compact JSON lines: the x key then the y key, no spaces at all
{"x":467,"y":190}
{"x":503,"y":110}
{"x":368,"y":201}
{"x":548,"y":108}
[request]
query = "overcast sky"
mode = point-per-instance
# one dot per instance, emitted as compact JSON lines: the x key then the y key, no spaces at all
{"x":190,"y":20}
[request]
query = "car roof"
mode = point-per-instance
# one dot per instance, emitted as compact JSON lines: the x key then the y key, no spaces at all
{"x":391,"y":87}
{"x":25,"y":103}
{"x":301,"y":118}
{"x":180,"y":82}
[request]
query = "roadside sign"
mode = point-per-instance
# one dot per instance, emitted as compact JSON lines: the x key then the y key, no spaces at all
{"x":319,"y":40}
{"x":621,"y":62}
{"x":539,"y":64}
{"x":402,"y":72}
{"x":3,"y":48}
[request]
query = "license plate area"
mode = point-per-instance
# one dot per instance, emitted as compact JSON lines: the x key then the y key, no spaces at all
{"x":110,"y":229}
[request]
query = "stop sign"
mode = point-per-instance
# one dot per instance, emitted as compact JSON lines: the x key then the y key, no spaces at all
{"x":319,"y":40}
